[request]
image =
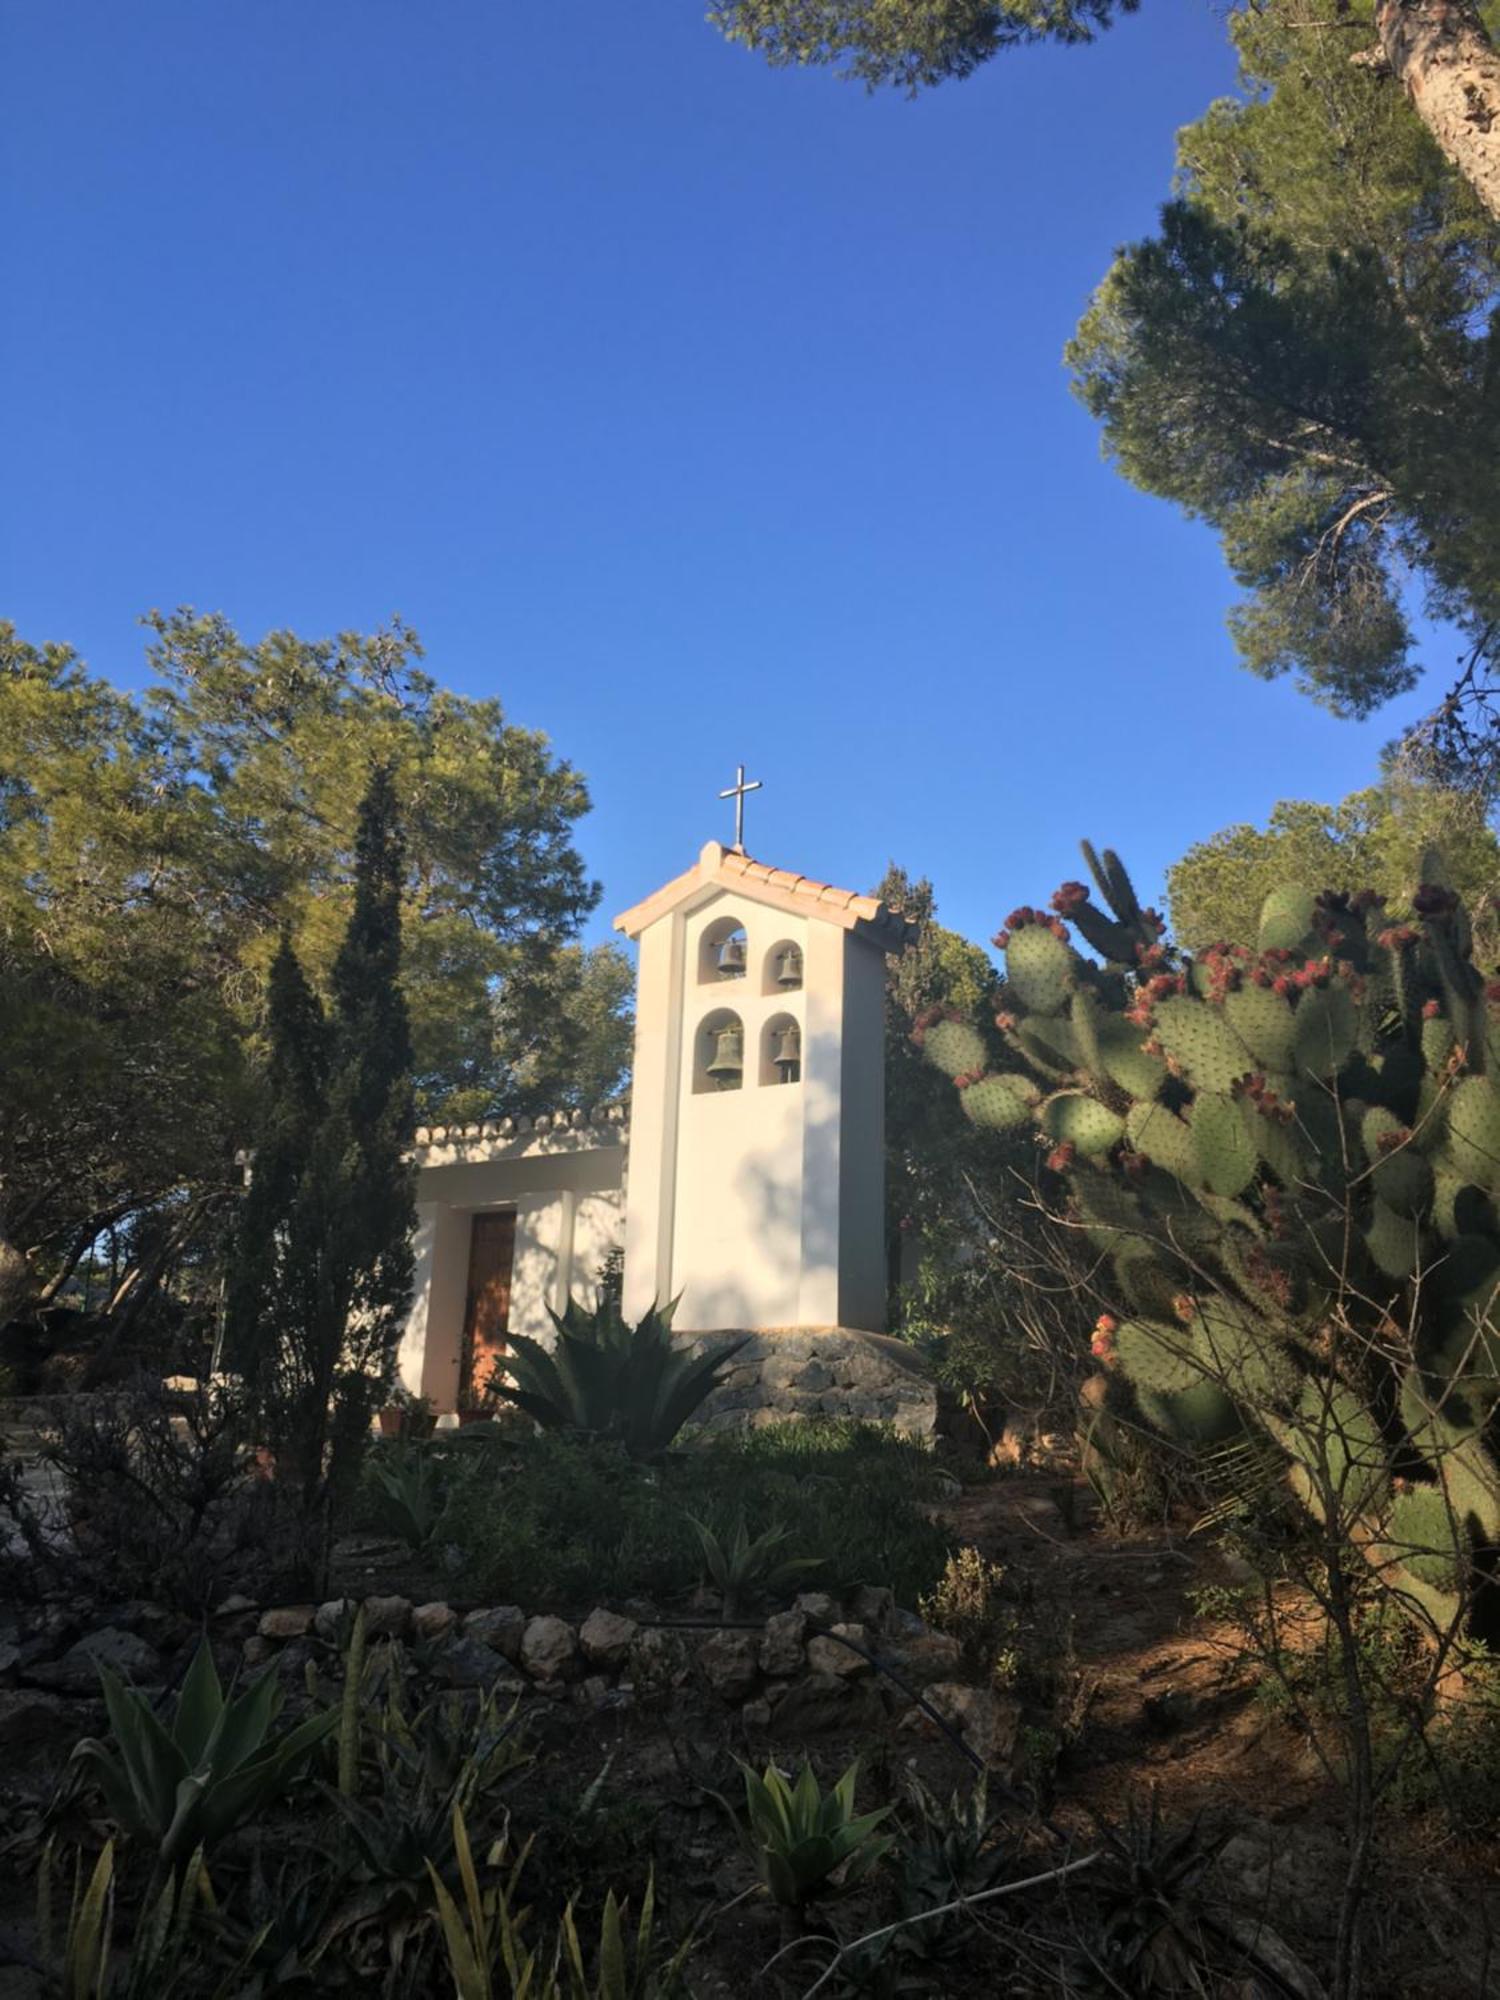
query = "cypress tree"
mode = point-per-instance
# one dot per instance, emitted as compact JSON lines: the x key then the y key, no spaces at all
{"x":321,"y":1276}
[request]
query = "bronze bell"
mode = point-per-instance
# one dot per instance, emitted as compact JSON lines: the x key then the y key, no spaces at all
{"x":727,"y":1064}
{"x":789,"y":966}
{"x":788,"y":1056}
{"x":732,"y":958}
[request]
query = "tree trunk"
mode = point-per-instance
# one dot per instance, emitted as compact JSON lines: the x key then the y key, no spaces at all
{"x":17,"y":1280}
{"x":1441,"y":54}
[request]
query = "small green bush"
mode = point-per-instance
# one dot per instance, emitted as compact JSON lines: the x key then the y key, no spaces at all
{"x":569,"y":1522}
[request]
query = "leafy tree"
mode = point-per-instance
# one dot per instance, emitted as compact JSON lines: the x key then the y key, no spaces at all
{"x":281,"y":732}
{"x":120,"y":1074}
{"x":1375,"y":839}
{"x":1442,"y":58}
{"x":566,"y":1029}
{"x":152,"y":850}
{"x":321,"y":1275}
{"x":930,"y":1145}
{"x":1306,"y":358}
{"x":964,"y":1269}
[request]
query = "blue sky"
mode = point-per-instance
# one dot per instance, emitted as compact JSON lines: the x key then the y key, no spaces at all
{"x":702,"y":412}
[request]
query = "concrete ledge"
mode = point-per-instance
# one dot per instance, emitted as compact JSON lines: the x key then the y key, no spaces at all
{"x":818,"y":1371}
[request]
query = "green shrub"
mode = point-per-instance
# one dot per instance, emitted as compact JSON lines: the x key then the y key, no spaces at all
{"x":570,"y":1522}
{"x":969,"y":1604}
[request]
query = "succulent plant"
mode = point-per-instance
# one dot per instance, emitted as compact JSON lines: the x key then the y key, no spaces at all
{"x":1255,"y":1137}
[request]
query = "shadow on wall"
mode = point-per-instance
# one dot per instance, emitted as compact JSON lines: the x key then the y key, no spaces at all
{"x":753,"y":1250}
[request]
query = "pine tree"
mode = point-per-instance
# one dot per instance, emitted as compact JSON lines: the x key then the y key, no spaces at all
{"x":322,"y":1271}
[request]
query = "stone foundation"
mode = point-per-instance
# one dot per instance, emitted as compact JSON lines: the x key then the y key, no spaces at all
{"x":819,"y":1371}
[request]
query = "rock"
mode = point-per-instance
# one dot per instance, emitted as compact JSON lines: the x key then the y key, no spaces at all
{"x":501,"y":1628}
{"x":331,"y":1617}
{"x":874,"y":1605}
{"x":549,"y":1650}
{"x":1296,"y":1871}
{"x":387,"y":1617}
{"x":433,"y":1621}
{"x":234,"y":1605}
{"x":658,"y":1660}
{"x":460,"y":1661}
{"x":292,"y":1662}
{"x":256,"y":1651}
{"x":593,"y":1694}
{"x":606,"y":1638}
{"x":784,"y":1648}
{"x":77,"y":1672}
{"x":987,"y":1723}
{"x":946,"y":1488}
{"x":727,"y":1661}
{"x":818,"y":1607}
{"x":287,"y":1621}
{"x":827,"y":1656}
{"x":756,"y":1715}
{"x":817,"y":1701}
{"x":935,"y":1657}
{"x":32,"y":1722}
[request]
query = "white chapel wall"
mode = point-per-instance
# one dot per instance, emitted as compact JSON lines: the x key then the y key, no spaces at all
{"x":738,"y":1196}
{"x":569,"y":1204}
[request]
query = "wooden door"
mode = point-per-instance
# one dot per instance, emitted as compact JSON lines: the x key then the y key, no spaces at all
{"x":492,"y":1249}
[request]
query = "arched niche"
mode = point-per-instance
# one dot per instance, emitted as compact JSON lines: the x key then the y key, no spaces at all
{"x":775,"y":1048}
{"x":779,"y":964}
{"x":711,"y":1046}
{"x":721,"y":932}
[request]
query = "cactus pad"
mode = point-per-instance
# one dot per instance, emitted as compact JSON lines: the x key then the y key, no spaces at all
{"x":955,"y":1047}
{"x":1474,"y":1129}
{"x":1000,"y":1103}
{"x":1426,"y":1539}
{"x":1264,"y":1022}
{"x":1039,"y":968}
{"x":1154,"y":1354}
{"x":1202,"y":1042}
{"x":1286,"y":918}
{"x":1226,"y":1152}
{"x":1325,"y":1030}
{"x":1082,"y":1122}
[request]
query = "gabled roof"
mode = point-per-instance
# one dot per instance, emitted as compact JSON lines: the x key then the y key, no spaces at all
{"x":732,"y":870}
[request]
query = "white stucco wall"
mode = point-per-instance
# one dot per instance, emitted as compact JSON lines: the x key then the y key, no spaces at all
{"x":567,"y":1192}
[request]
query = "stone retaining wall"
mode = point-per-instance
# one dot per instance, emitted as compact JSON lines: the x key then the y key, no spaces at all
{"x":792,"y":1674}
{"x":833,"y":1371}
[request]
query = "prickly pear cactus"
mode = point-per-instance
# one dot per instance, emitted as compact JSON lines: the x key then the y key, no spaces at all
{"x":1287,"y":1159}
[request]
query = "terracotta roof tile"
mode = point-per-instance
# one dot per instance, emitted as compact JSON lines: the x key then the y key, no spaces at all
{"x":727,"y":867}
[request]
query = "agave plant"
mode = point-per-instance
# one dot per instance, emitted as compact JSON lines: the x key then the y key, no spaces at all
{"x":161,"y":1958}
{"x":410,"y":1496}
{"x":607,"y":1379}
{"x":803,"y":1836}
{"x":740,"y":1568}
{"x":183,"y":1787}
{"x":488,"y":1935}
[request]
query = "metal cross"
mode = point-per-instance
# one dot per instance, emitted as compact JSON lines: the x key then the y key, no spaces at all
{"x":737,"y":792}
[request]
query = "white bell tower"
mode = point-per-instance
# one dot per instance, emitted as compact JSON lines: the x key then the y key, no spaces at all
{"x":757,"y":1120}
